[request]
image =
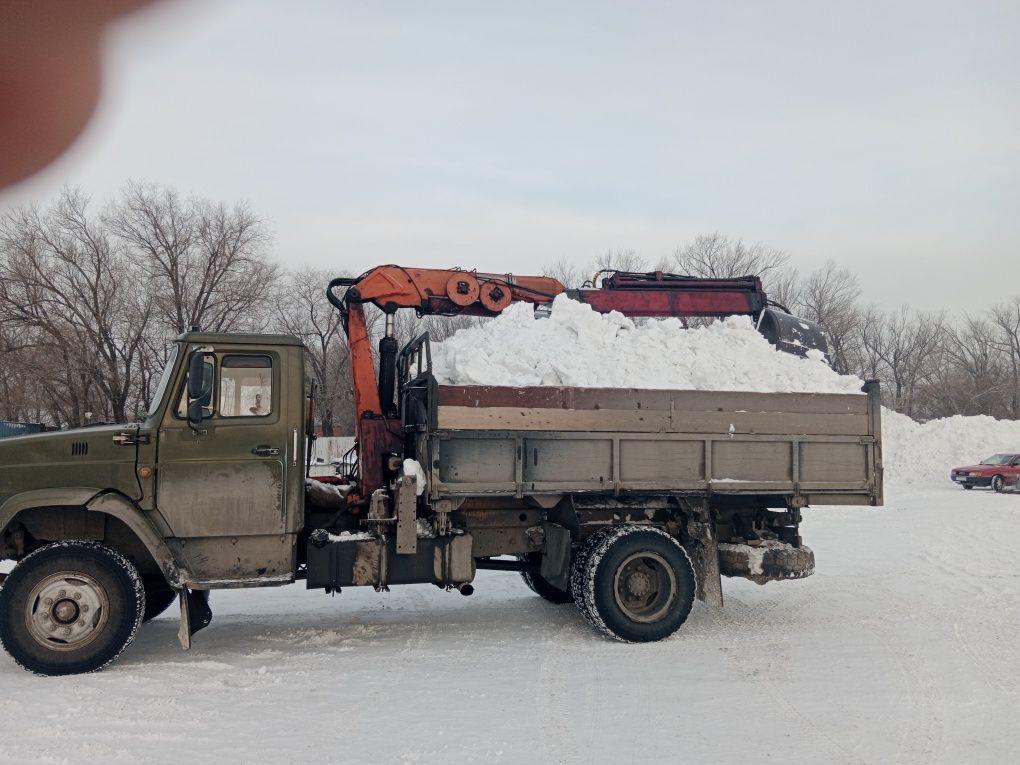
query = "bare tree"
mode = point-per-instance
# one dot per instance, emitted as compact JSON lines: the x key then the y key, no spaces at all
{"x":570,"y":274}
{"x":63,"y":277}
{"x":902,"y":348}
{"x":301,"y":309}
{"x":716,"y":257}
{"x":971,"y":378}
{"x":621,"y":260}
{"x":206,"y":263}
{"x":1006,"y":318}
{"x":829,"y":297}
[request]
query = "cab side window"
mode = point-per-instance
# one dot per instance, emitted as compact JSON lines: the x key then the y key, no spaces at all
{"x":246,"y":386}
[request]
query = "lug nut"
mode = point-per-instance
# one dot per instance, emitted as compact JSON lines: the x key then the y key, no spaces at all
{"x":62,"y":593}
{"x":48,"y":601}
{"x":84,"y":608}
{"x":81,"y":622}
{"x":77,"y":596}
{"x":67,"y":630}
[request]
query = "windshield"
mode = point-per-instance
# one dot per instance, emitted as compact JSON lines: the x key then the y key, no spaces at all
{"x":997,"y":459}
{"x":164,"y":380}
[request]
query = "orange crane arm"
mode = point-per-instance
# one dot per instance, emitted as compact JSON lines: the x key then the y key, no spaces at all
{"x":440,"y":291}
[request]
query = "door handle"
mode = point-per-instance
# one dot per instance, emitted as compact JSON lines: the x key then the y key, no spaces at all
{"x":265,"y":451}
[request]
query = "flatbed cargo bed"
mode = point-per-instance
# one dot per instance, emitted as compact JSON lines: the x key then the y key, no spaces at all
{"x":819,"y":448}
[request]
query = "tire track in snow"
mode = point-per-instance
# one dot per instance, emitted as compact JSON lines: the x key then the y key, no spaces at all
{"x":993,"y":653}
{"x":926,"y":701}
{"x":763,"y":618}
{"x":570,"y":717}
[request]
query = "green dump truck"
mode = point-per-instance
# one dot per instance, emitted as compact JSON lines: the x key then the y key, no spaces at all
{"x":629,"y":503}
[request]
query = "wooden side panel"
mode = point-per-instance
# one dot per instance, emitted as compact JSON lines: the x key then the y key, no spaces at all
{"x":747,"y":461}
{"x":477,"y":460}
{"x":668,"y":461}
{"x":833,"y":463}
{"x":562,"y":460}
{"x":483,"y":396}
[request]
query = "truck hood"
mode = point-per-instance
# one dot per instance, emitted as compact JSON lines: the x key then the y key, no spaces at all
{"x":22,"y":449}
{"x":81,"y":457}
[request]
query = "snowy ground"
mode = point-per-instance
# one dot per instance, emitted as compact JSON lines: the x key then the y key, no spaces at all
{"x":902,"y":648}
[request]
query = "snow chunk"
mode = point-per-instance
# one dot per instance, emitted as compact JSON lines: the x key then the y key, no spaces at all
{"x":413,"y":467}
{"x":352,"y":536}
{"x":577,"y":346}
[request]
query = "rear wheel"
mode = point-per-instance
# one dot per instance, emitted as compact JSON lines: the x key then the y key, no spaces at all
{"x":639,"y":585}
{"x":579,"y":566}
{"x":968,"y":486}
{"x":998,"y":482}
{"x":70,"y":607}
{"x":540,"y":586}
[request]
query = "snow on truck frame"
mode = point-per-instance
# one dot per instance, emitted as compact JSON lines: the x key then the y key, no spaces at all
{"x":629,"y":503}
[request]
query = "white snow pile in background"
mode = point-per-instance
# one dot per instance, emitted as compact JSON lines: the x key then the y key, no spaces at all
{"x":579,"y":347}
{"x":918,"y":454}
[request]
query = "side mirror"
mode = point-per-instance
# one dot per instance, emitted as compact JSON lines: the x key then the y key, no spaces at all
{"x":199,"y":388}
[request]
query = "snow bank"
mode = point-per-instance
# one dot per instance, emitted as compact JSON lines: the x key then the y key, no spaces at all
{"x":576,"y":346}
{"x":917,"y":454}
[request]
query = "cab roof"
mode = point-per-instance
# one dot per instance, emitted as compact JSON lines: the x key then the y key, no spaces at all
{"x":238,"y":338}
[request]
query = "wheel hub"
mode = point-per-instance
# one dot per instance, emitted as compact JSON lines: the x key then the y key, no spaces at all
{"x":66,"y":610}
{"x":645,"y":586}
{"x":638,"y":584}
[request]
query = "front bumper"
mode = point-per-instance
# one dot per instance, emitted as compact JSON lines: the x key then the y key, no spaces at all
{"x":971,"y":480}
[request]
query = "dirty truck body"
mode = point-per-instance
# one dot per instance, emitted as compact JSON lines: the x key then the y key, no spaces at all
{"x":629,"y":503}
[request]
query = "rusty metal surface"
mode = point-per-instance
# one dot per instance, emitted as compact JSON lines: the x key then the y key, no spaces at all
{"x":551,"y":397}
{"x":407,"y":516}
{"x":236,"y":560}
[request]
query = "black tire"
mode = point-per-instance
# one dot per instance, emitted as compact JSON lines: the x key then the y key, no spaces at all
{"x":968,"y":486}
{"x":159,"y":596}
{"x":580,"y":563}
{"x":997,"y":483}
{"x":70,"y":607}
{"x":540,"y":586}
{"x":639,"y":585}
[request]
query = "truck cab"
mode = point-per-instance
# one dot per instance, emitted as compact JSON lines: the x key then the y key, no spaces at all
{"x":210,"y":500}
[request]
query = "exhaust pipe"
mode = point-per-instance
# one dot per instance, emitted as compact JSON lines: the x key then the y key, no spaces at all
{"x":466,"y":588}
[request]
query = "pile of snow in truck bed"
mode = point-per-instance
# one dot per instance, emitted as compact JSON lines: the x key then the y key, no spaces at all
{"x":576,"y":346}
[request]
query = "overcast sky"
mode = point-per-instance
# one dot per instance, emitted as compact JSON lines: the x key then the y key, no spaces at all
{"x":506,"y":136}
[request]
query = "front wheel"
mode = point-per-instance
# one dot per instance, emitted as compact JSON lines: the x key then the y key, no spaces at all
{"x":159,"y":596}
{"x":638,"y":584}
{"x":70,"y":607}
{"x":968,"y":486}
{"x":997,"y":483}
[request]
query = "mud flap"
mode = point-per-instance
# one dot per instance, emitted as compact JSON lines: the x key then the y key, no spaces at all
{"x":556,"y":556}
{"x":703,"y":550}
{"x":195,"y":614}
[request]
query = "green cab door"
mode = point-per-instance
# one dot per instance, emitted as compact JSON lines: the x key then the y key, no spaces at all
{"x":222,"y":486}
